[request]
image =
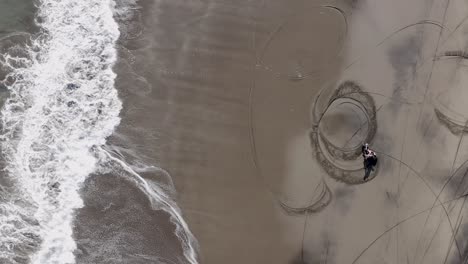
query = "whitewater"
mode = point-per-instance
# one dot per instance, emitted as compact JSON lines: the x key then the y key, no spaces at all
{"x":62,"y":107}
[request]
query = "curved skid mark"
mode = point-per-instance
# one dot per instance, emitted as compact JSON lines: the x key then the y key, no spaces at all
{"x":422,"y":22}
{"x":454,"y":54}
{"x":347,"y":90}
{"x":319,"y":94}
{"x":401,"y":222}
{"x":252,"y":126}
{"x":432,"y":191}
{"x":455,"y":29}
{"x":360,"y":127}
{"x":353,"y":152}
{"x":432,"y":239}
{"x":453,"y":165}
{"x":380,"y":43}
{"x":322,"y":202}
{"x":303,"y":210}
{"x":350,"y":177}
{"x":458,"y":223}
{"x":251,"y":121}
{"x":253,"y":147}
{"x":455,"y":126}
{"x":429,"y":22}
{"x":353,"y":90}
{"x":390,"y":98}
{"x":419,"y":118}
{"x":459,"y":185}
{"x":438,"y":195}
{"x":452,"y":57}
{"x":281,"y":26}
{"x":343,"y":15}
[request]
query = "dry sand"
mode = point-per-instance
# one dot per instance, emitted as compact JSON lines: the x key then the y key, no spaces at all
{"x":224,"y":95}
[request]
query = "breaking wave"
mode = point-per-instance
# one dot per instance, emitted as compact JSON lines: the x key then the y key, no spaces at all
{"x":62,"y":107}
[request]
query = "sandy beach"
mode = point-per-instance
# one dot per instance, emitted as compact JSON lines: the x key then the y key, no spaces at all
{"x":224,"y":95}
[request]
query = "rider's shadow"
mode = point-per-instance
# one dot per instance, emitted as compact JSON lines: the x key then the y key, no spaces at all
{"x":369,"y":166}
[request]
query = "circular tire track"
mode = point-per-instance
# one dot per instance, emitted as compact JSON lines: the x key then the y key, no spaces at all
{"x":320,"y":202}
{"x":340,"y":163}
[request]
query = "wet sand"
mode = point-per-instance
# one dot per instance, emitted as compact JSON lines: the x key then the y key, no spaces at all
{"x":229,"y":98}
{"x":196,"y":119}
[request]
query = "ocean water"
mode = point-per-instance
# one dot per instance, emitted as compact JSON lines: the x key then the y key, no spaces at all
{"x":60,"y":107}
{"x":16,"y":16}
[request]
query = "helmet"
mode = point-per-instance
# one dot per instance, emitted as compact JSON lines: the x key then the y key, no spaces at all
{"x":365,"y":147}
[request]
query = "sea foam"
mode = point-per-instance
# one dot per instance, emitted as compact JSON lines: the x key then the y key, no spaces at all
{"x":62,"y":107}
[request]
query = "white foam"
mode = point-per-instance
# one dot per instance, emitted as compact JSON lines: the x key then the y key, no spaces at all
{"x":62,"y":107}
{"x":159,"y":200}
{"x":50,"y":126}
